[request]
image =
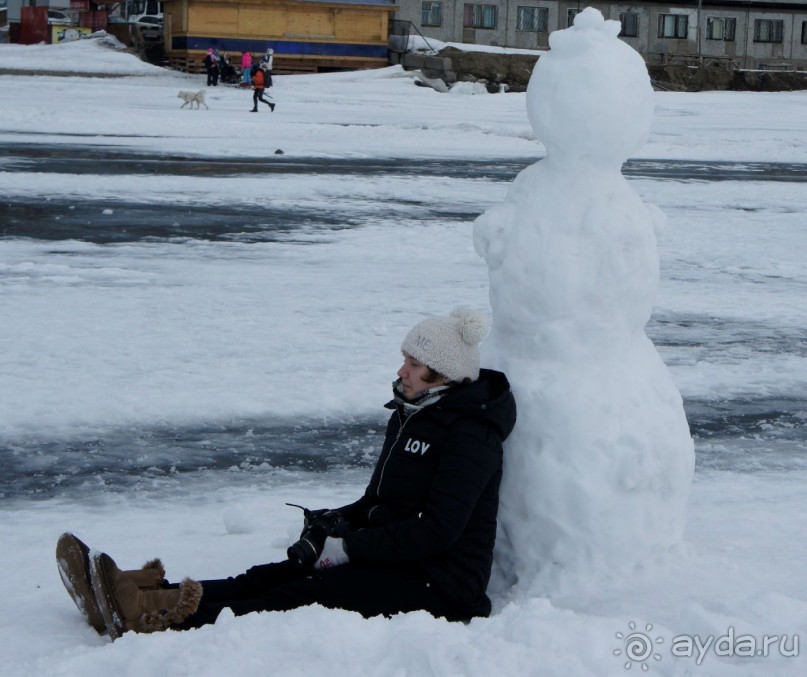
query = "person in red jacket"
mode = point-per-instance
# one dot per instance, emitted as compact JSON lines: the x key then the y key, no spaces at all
{"x":259,"y":85}
{"x":420,"y":538}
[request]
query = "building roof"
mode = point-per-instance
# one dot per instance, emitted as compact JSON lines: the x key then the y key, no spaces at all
{"x":374,"y":3}
{"x":729,"y":4}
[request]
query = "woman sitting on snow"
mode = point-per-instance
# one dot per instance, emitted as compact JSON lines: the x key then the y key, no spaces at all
{"x":420,"y":538}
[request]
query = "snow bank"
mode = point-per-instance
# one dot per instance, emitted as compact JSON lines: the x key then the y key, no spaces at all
{"x":418,"y":43}
{"x":723,"y":578}
{"x":98,"y":53}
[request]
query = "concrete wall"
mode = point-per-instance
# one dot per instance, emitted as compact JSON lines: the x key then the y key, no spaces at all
{"x":641,"y":42}
{"x":529,"y":39}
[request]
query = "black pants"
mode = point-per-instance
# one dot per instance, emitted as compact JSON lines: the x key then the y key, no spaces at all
{"x":258,"y":96}
{"x":212,"y":77}
{"x":371,"y":591}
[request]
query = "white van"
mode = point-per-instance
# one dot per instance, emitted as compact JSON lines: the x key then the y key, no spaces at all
{"x":141,"y":8}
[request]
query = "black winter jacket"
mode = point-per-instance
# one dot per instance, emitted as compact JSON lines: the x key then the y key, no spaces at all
{"x":434,"y":495}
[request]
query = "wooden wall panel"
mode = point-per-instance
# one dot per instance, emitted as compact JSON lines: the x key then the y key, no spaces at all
{"x":358,"y":26}
{"x":177,"y":12}
{"x":313,"y":23}
{"x":250,"y":20}
{"x":213,"y":19}
{"x":263,"y":22}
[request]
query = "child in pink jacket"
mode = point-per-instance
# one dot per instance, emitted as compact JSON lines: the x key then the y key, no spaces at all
{"x":246,"y":67}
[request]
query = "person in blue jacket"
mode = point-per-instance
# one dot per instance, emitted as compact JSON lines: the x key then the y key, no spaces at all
{"x":420,"y":538}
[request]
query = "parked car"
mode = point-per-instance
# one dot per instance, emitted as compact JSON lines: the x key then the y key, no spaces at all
{"x":151,"y":27}
{"x":58,"y":18}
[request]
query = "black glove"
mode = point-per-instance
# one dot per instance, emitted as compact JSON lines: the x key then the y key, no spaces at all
{"x":319,"y":525}
{"x":311,"y":516}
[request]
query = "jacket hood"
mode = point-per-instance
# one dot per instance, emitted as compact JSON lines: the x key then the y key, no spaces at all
{"x":489,"y":398}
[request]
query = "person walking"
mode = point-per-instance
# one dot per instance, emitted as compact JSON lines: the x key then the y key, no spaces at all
{"x":259,"y":86}
{"x":420,"y":538}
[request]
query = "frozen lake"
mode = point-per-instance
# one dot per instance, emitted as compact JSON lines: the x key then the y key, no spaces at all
{"x":194,"y":330}
{"x":738,"y":432}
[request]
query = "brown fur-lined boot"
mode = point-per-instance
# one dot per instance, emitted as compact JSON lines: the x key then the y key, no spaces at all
{"x":73,"y":561}
{"x":125,"y":606}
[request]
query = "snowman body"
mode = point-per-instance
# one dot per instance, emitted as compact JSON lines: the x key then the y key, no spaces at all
{"x":598,"y":468}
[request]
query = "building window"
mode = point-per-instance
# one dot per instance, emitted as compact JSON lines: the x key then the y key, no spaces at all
{"x":630,"y":24}
{"x":720,"y":29}
{"x":804,"y":32}
{"x":673,"y":25}
{"x":479,"y":16}
{"x":768,"y":30}
{"x":570,"y":15}
{"x":532,"y":19}
{"x":431,"y":13}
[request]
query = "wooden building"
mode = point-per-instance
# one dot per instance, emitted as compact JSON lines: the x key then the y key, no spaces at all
{"x":306,"y":35}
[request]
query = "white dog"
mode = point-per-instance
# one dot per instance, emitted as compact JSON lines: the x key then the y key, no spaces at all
{"x":193,"y":98}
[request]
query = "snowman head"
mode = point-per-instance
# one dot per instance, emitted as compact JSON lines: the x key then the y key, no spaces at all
{"x":590,"y":96}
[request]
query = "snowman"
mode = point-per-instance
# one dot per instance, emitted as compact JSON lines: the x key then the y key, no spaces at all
{"x":598,"y":469}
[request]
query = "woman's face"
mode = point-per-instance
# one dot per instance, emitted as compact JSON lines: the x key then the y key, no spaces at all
{"x":412,"y":375}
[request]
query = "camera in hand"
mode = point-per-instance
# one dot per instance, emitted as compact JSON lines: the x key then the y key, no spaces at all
{"x":319,"y":524}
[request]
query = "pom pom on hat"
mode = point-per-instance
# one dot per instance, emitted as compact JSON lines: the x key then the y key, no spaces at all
{"x":473,"y":324}
{"x":449,"y":345}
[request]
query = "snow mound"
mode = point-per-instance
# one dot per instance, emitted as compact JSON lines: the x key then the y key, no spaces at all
{"x":468,"y":88}
{"x":421,"y":45}
{"x":100,"y":53}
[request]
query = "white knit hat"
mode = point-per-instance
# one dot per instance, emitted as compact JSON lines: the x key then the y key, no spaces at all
{"x":449,"y":345}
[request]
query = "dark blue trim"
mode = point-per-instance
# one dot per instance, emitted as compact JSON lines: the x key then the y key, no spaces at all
{"x":281,"y":47}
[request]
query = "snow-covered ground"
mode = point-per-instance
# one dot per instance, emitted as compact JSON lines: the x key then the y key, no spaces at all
{"x":157,"y":332}
{"x":368,"y":113}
